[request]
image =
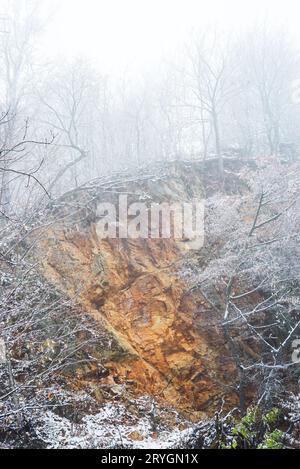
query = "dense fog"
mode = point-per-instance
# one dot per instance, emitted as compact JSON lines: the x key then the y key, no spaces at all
{"x":218,"y":90}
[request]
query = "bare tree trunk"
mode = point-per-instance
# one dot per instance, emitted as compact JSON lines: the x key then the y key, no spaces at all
{"x":218,"y":143}
{"x":204,"y":136}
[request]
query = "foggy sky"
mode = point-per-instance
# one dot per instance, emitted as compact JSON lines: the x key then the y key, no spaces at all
{"x":121,"y":34}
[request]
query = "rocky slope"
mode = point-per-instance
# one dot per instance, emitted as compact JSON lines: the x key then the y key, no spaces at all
{"x":136,"y":288}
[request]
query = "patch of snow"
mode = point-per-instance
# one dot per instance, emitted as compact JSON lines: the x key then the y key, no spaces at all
{"x":112,"y":427}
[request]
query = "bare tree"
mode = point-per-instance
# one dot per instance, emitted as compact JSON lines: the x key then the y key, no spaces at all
{"x":269,"y":64}
{"x":16,"y":57}
{"x":257,"y":274}
{"x":69,"y":100}
{"x":208,"y":78}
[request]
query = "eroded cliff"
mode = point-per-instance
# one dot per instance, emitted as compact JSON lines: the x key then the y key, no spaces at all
{"x":137,"y":288}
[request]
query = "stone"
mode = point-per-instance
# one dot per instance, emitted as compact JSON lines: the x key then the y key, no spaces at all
{"x":135,"y":436}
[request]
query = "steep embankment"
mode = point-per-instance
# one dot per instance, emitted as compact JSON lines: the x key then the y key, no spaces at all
{"x":135,"y":287}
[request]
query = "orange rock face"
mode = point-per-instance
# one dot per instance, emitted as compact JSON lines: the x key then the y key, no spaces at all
{"x":175,"y":351}
{"x":174,"y":354}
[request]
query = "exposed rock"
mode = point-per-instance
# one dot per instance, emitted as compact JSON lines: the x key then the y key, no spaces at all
{"x":136,"y":436}
{"x":132,"y":285}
